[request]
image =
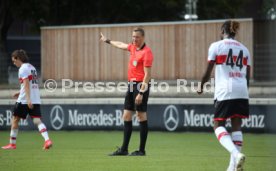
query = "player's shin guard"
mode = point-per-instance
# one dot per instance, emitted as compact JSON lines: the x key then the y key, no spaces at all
{"x":225,"y":140}
{"x":237,"y":139}
{"x":43,"y":130}
{"x":127,"y":135}
{"x":143,"y":135}
{"x":13,"y":136}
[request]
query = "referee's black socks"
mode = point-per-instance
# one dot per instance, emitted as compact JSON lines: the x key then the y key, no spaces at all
{"x":143,"y":135}
{"x":127,"y":135}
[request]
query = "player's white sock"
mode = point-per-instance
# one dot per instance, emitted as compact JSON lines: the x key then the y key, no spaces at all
{"x":237,"y":140}
{"x":13,"y":136}
{"x":225,"y":140}
{"x":43,"y":130}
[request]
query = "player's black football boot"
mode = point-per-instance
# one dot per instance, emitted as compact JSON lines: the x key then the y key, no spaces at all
{"x":119,"y":152}
{"x":138,"y":153}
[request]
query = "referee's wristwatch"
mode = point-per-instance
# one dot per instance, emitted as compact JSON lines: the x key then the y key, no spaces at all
{"x":141,"y":93}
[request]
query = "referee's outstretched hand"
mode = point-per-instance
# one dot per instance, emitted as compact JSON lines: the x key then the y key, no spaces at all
{"x":102,"y":37}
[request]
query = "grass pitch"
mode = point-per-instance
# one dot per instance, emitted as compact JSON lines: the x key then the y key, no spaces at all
{"x":87,"y":151}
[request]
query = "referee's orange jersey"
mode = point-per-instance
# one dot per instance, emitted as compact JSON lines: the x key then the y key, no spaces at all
{"x":138,"y":60}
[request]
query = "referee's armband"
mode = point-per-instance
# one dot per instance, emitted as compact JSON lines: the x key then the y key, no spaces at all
{"x":107,"y":41}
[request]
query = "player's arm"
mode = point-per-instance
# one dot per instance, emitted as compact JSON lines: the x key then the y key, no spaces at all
{"x":116,"y":44}
{"x":206,"y":76}
{"x":248,"y":75}
{"x":26,"y":84}
{"x":16,"y":95}
{"x":144,"y":86}
{"x":146,"y":79}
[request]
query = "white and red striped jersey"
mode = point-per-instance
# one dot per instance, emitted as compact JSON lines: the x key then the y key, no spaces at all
{"x":232,"y":59}
{"x":27,"y":71}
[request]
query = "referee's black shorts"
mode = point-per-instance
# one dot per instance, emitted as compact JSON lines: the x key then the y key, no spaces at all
{"x":234,"y":108}
{"x":22,"y":110}
{"x":132,"y":92}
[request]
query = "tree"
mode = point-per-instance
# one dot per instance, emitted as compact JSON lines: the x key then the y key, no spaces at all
{"x":10,"y":10}
{"x":72,"y":12}
{"x":220,"y":9}
{"x":5,"y":23}
{"x":113,"y":11}
{"x":224,"y":9}
{"x":75,"y":12}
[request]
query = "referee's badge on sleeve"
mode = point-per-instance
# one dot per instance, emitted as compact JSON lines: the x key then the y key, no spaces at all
{"x":134,"y":63}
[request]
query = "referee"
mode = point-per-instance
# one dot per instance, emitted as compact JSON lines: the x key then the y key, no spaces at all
{"x":136,"y":99}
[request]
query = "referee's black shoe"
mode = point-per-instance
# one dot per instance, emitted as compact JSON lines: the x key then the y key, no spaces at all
{"x":119,"y":152}
{"x":138,"y":153}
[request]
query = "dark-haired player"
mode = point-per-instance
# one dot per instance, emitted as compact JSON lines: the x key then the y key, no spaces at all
{"x":28,"y":99}
{"x":232,"y":60}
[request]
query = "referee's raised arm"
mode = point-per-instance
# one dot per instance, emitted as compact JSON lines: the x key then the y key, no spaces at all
{"x":116,"y":44}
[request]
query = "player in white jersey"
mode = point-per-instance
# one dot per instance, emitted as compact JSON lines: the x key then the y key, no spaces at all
{"x":232,"y":60}
{"x":28,"y":99}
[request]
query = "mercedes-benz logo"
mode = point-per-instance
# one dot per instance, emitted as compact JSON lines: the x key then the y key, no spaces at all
{"x":171,"y":118}
{"x":57,"y":117}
